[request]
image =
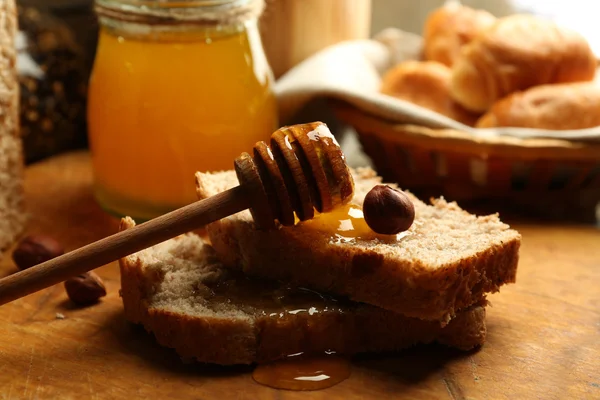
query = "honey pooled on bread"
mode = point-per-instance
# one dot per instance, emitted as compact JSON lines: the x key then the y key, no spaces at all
{"x":516,"y":53}
{"x":557,"y":106}
{"x":427,"y":84}
{"x":448,"y":28}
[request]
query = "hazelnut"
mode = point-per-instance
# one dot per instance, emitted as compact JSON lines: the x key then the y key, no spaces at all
{"x":388,"y":211}
{"x":36,"y":249}
{"x":86,"y":288}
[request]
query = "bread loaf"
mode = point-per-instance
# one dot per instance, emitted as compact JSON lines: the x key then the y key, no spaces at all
{"x":11,"y":160}
{"x":427,"y":84}
{"x":448,"y":28}
{"x":558,"y":107}
{"x":448,"y":259}
{"x":515,"y":53}
{"x":179,"y":291}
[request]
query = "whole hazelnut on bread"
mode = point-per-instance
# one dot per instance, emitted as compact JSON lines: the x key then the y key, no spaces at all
{"x":388,"y":211}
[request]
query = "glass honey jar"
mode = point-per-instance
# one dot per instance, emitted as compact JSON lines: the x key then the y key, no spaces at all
{"x":176,"y":87}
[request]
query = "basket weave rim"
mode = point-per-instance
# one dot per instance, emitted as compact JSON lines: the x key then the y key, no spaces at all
{"x":456,"y":138}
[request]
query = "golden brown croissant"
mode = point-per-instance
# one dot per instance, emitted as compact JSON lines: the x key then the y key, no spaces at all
{"x":556,"y":106}
{"x":518,"y":52}
{"x":425,"y":83}
{"x":450,"y":27}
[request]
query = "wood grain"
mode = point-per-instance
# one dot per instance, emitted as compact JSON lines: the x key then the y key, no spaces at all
{"x":289,"y":39}
{"x":120,"y":244}
{"x":542,"y":338}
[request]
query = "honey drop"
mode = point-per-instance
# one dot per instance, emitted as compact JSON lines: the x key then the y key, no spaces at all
{"x":303,"y":373}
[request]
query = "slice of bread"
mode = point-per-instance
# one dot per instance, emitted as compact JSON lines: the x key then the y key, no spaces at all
{"x":448,"y":260}
{"x":180,"y":292}
{"x":12,"y":217}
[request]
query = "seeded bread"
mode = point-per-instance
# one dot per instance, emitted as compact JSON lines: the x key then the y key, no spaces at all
{"x":172,"y":290}
{"x":11,"y":161}
{"x":447,"y":261}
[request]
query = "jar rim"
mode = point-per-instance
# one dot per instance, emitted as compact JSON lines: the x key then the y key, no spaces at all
{"x":179,"y":11}
{"x":165,"y":4}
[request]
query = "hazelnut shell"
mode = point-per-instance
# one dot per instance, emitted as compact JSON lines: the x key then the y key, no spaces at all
{"x":388,"y":211}
{"x":36,"y":249}
{"x":85,"y":288}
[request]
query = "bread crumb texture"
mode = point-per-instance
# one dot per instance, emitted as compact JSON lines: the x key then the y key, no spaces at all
{"x":448,"y":260}
{"x":167,"y":288}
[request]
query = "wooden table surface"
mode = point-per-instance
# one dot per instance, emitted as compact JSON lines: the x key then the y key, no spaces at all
{"x":543,"y":332}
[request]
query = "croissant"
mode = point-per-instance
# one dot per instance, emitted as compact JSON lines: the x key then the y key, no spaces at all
{"x":518,"y":52}
{"x":448,"y":28}
{"x":427,"y":84}
{"x":555,"y":106}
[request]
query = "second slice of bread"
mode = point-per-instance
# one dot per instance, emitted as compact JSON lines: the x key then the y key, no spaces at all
{"x":447,"y":261}
{"x":179,"y":291}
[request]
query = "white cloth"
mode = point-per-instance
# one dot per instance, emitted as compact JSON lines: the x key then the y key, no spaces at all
{"x":351,"y":71}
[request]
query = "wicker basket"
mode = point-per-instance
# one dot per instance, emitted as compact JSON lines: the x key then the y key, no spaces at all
{"x":546,"y":177}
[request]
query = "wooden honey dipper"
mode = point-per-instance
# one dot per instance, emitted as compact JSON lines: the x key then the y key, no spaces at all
{"x":303,"y":169}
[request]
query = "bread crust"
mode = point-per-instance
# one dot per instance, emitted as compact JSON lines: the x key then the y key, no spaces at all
{"x":409,"y":288}
{"x":448,"y":28}
{"x":557,"y":107}
{"x":12,"y":205}
{"x":227,"y":341}
{"x":427,"y":84}
{"x":518,"y":52}
{"x":211,"y":340}
{"x":366,"y":272}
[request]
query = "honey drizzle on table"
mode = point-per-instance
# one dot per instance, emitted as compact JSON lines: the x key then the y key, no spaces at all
{"x":303,"y":373}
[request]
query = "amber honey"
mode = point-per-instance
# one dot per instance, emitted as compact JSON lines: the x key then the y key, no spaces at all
{"x":301,"y":372}
{"x":163,"y":105}
{"x":347,"y":223}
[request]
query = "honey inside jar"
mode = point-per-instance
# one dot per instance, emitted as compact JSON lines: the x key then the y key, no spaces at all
{"x":165,"y":103}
